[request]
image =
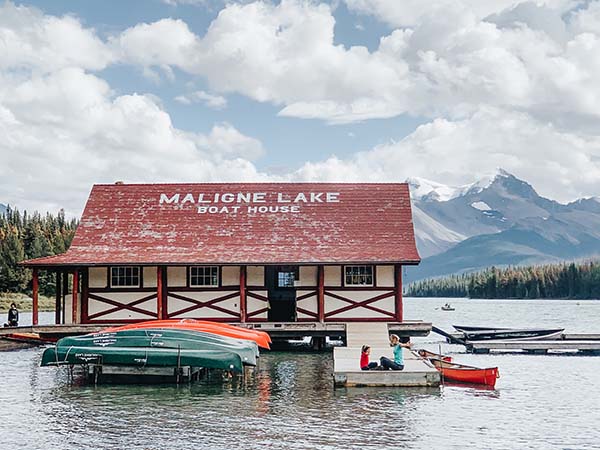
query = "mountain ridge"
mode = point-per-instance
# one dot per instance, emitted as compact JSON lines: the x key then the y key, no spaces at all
{"x":504,"y":221}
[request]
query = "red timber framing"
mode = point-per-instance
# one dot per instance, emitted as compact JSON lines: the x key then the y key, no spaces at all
{"x":58,"y":299}
{"x":160,"y":291}
{"x":253,"y":292}
{"x":243,"y":302}
{"x":35,"y":295}
{"x":74,"y":312}
{"x":398,"y":292}
{"x":321,"y":293}
{"x":343,"y":295}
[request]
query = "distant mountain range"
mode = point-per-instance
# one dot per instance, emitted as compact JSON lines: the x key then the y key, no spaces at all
{"x":499,"y":220}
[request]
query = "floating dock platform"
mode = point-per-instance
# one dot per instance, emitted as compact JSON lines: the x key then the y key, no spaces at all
{"x":346,"y":370}
{"x":536,"y":346}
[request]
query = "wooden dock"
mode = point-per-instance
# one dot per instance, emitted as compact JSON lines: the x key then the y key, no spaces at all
{"x":277,"y":330}
{"x":537,"y":346}
{"x":346,"y":370}
{"x":587,"y":343}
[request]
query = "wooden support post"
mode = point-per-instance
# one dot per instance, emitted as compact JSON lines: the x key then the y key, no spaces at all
{"x":84,"y":294}
{"x":57,"y":303}
{"x":159,"y":293}
{"x":398,"y":292}
{"x":65,"y":291}
{"x":243,"y":294}
{"x":34,"y":295}
{"x":321,"y":293}
{"x":74,"y":316}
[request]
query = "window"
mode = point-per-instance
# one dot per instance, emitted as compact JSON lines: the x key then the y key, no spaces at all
{"x":287,"y":275}
{"x":204,"y":276}
{"x":285,"y":279}
{"x":358,"y":276}
{"x":124,"y":277}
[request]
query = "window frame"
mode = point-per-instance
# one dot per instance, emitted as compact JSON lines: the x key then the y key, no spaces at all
{"x":349,"y":266}
{"x":204,"y":266}
{"x":125,"y":286}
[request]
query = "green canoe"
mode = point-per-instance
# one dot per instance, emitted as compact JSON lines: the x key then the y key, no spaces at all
{"x":142,"y":357}
{"x":166,"y":338}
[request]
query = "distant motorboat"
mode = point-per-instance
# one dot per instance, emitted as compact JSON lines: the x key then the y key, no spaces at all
{"x":447,"y":307}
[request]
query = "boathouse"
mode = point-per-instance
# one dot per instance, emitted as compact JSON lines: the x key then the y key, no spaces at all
{"x":236,"y":252}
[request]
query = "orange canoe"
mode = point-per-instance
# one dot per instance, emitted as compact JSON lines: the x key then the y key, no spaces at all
{"x":260,"y":337}
{"x":466,"y":374}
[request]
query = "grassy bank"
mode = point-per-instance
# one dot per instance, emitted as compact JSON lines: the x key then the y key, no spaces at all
{"x":24,"y":302}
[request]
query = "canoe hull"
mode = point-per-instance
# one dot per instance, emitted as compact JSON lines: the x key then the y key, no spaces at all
{"x":520,"y":334}
{"x":466,"y":374}
{"x":166,"y":338}
{"x":260,"y":337}
{"x":141,"y":357}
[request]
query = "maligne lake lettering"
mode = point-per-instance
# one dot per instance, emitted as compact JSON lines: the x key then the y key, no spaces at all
{"x":249,"y":202}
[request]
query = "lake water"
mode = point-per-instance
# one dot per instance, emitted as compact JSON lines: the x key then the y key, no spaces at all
{"x":540,"y":402}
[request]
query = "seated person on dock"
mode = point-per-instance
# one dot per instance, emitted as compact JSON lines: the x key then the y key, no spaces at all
{"x":364,"y":359}
{"x":398,"y":362}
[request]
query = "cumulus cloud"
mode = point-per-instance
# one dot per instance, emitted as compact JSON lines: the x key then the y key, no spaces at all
{"x":500,"y":88}
{"x":210,"y":100}
{"x":460,"y":151}
{"x":30,"y":39}
{"x":63,"y":128}
{"x":448,"y":59}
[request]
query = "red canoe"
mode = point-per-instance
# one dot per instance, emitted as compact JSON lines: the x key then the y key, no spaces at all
{"x":260,"y":337}
{"x":466,"y":374}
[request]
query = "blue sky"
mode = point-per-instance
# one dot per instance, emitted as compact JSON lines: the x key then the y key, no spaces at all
{"x":288,"y":142}
{"x":296,"y":90}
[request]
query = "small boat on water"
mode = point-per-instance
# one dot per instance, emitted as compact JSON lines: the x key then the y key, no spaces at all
{"x":426,"y":354}
{"x":260,"y":337}
{"x":466,"y":374}
{"x":447,"y":307}
{"x":485,"y":334}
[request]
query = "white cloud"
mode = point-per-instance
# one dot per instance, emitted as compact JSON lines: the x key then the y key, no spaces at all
{"x":408,"y":13}
{"x":507,"y":91}
{"x":31,"y":40}
{"x":210,"y":100}
{"x":454,"y":58}
{"x":459,"y":152}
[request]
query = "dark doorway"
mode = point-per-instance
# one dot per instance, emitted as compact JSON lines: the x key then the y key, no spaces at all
{"x":281,"y":284}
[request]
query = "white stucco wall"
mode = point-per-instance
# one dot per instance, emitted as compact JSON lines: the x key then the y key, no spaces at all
{"x":255,"y":275}
{"x":150,"y":276}
{"x":386,"y":304}
{"x":230,"y":275}
{"x":97,"y":277}
{"x":232,"y":304}
{"x":385,"y":276}
{"x":333,"y":276}
{"x":308,"y":276}
{"x":176,"y":276}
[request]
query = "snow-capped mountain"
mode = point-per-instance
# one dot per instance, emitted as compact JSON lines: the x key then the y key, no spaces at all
{"x":498,"y":220}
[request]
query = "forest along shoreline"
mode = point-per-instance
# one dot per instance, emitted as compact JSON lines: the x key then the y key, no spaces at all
{"x":565,"y":281}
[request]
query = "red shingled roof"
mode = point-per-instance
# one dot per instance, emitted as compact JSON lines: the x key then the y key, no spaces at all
{"x":128,"y":224}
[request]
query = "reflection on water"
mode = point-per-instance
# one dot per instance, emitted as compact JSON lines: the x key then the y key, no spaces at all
{"x":541,"y":402}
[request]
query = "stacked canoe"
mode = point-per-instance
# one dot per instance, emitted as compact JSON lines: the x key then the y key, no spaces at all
{"x":170,"y":343}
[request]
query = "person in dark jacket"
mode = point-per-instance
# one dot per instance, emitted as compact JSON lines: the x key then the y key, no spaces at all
{"x":13,"y":316}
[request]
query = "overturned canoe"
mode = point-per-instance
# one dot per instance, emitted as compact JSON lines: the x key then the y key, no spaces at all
{"x":166,"y":338}
{"x":513,"y":333}
{"x":141,"y":357}
{"x":466,"y":374}
{"x":260,"y":337}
